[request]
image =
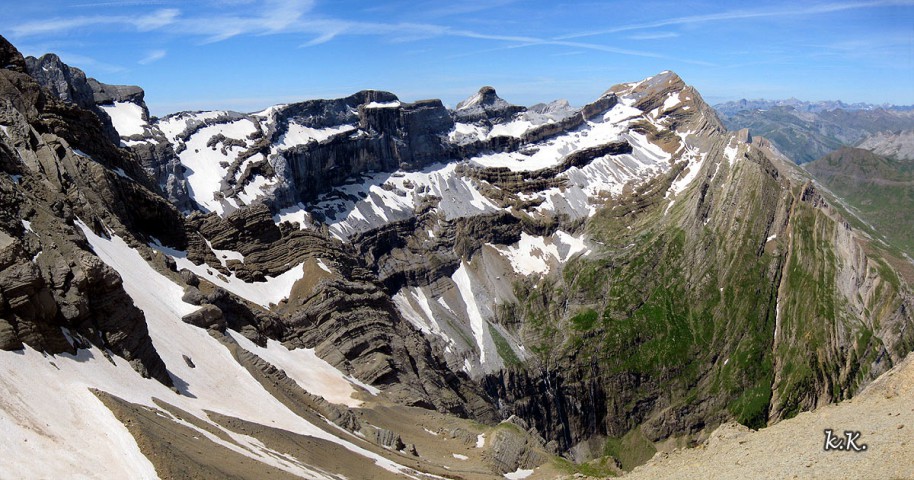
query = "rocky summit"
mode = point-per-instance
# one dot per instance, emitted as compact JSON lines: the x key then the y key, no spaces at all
{"x":365,"y":287}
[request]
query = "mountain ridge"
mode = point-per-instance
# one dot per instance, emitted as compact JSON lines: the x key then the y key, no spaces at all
{"x":514,"y":263}
{"x":806,"y":131}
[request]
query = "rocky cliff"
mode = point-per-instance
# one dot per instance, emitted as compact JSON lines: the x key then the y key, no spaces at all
{"x":59,"y":167}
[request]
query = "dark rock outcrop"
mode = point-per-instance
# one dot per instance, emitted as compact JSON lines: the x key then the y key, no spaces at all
{"x":408,"y":136}
{"x":59,"y":165}
{"x":208,"y":316}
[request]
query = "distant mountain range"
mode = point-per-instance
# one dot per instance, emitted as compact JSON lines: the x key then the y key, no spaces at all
{"x":805,"y":131}
{"x":730,"y":108}
{"x":876,"y":181}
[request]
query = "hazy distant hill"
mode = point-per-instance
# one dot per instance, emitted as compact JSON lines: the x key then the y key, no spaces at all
{"x":805,"y":131}
{"x":880,"y":188}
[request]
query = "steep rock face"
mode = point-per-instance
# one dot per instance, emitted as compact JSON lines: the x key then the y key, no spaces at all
{"x":66,"y":83}
{"x":59,"y":167}
{"x":104,"y":94}
{"x":700,"y":304}
{"x":399,"y":135}
{"x":71,"y":85}
{"x":342,"y":313}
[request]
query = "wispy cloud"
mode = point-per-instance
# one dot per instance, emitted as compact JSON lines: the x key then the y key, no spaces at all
{"x":524,"y":42}
{"x":125,"y":3}
{"x":273,"y":17}
{"x":155,"y":20}
{"x":816,"y":9}
{"x":653,"y":36}
{"x":446,"y":9}
{"x":153,"y":56}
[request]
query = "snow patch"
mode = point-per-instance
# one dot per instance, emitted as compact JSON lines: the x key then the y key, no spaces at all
{"x":671,"y":101}
{"x":126,"y":117}
{"x":217,"y":382}
{"x":519,"y":474}
{"x":461,"y":130}
{"x":310,"y":372}
{"x":302,"y":135}
{"x":67,"y":422}
{"x":323,"y":266}
{"x":413,"y":304}
{"x":465,"y":286}
{"x":459,"y":456}
{"x":393,"y":104}
{"x":535,"y":255}
{"x":380,"y":198}
{"x":514,"y":128}
{"x":549,"y":153}
{"x":690,"y":173}
{"x":731,"y":151}
{"x":224,"y":255}
{"x":272,"y":291}
{"x":295,"y":213}
{"x":255,"y":189}
{"x":207,"y":167}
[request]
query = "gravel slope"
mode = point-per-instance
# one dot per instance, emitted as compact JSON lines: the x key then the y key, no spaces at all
{"x":883,"y":413}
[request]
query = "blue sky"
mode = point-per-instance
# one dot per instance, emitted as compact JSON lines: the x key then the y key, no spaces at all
{"x":249,"y":54}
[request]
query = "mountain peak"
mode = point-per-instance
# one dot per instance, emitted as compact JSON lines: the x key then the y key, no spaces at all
{"x":10,"y":58}
{"x":666,"y":80}
{"x":485,"y":97}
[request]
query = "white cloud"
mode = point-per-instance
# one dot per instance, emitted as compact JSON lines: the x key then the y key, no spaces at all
{"x":153,"y":56}
{"x":745,"y":14}
{"x":271,"y":17}
{"x":653,"y":36}
{"x":155,"y":20}
{"x":159,"y":19}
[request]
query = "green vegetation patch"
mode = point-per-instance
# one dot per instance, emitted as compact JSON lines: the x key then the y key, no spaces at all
{"x":632,"y":450}
{"x":504,"y":348}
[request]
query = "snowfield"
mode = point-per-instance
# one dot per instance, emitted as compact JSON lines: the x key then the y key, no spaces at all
{"x":86,"y":439}
{"x":460,"y":197}
{"x":272,"y":291}
{"x":537,"y":255}
{"x":126,"y":117}
{"x":302,"y":135}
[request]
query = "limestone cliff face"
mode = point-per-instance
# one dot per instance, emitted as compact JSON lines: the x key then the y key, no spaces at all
{"x":744,"y":295}
{"x":395,"y":136}
{"x":59,"y":167}
{"x":71,"y":85}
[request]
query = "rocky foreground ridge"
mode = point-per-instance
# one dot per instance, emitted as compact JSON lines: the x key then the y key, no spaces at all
{"x":619,"y":277}
{"x":881,"y":414}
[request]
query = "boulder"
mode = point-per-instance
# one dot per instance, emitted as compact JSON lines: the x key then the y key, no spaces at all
{"x":208,"y":316}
